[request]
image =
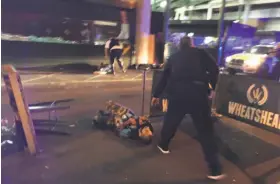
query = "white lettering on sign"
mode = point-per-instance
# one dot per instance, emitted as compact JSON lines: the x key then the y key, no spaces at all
{"x":264,"y":117}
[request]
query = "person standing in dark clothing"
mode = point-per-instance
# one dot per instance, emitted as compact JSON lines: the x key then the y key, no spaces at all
{"x":185,"y":78}
{"x":275,"y":75}
{"x":276,"y":72}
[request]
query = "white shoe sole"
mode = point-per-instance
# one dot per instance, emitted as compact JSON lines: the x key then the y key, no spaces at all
{"x":219,"y":177}
{"x":164,"y":152}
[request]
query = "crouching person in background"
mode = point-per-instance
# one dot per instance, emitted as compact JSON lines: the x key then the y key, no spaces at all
{"x":114,"y":49}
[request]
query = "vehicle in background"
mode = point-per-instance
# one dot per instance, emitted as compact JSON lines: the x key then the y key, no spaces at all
{"x":250,"y":61}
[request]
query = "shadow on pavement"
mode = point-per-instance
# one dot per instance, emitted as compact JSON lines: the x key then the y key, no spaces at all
{"x":238,"y":147}
{"x":261,"y":179}
{"x":16,"y":145}
{"x":42,"y":132}
{"x":118,"y":166}
{"x":77,"y":68}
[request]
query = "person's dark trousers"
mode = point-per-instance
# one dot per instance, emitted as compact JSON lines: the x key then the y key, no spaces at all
{"x":201,"y":115}
{"x":131,"y":54}
{"x":159,"y":52}
{"x":116,"y":54}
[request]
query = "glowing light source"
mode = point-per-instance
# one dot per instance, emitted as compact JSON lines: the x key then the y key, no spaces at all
{"x":190,"y":34}
{"x":228,"y":59}
{"x":253,"y":63}
{"x":145,"y":53}
{"x":208,"y":39}
{"x":163,"y":4}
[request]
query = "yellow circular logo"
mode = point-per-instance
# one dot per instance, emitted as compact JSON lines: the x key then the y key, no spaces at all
{"x":257,"y":95}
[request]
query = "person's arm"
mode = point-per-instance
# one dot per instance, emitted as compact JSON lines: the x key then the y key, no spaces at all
{"x":211,"y":68}
{"x":276,"y":71}
{"x":163,"y":80}
{"x":106,"y":51}
{"x":126,"y":49}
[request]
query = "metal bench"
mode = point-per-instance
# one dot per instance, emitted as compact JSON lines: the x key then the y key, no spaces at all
{"x":51,"y":108}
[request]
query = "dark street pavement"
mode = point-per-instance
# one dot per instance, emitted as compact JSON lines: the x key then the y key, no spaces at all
{"x":86,"y":156}
{"x":33,"y":62}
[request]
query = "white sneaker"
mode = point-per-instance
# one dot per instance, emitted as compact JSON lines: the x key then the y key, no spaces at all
{"x":216,"y":177}
{"x":163,"y":150}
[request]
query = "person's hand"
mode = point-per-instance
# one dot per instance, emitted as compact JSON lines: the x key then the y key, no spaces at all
{"x":212,"y":95}
{"x":155,"y":101}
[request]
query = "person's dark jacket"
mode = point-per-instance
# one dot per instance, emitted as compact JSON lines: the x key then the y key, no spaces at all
{"x":187,"y":73}
{"x":276,"y":71}
{"x":114,"y":42}
{"x":159,"y":51}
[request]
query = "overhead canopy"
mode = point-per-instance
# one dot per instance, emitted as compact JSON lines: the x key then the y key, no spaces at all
{"x":127,"y":4}
{"x":198,"y":27}
{"x":82,"y":9}
{"x":118,"y":3}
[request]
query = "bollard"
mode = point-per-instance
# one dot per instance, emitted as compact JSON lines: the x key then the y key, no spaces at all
{"x":144,"y":69}
{"x":144,"y":72}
